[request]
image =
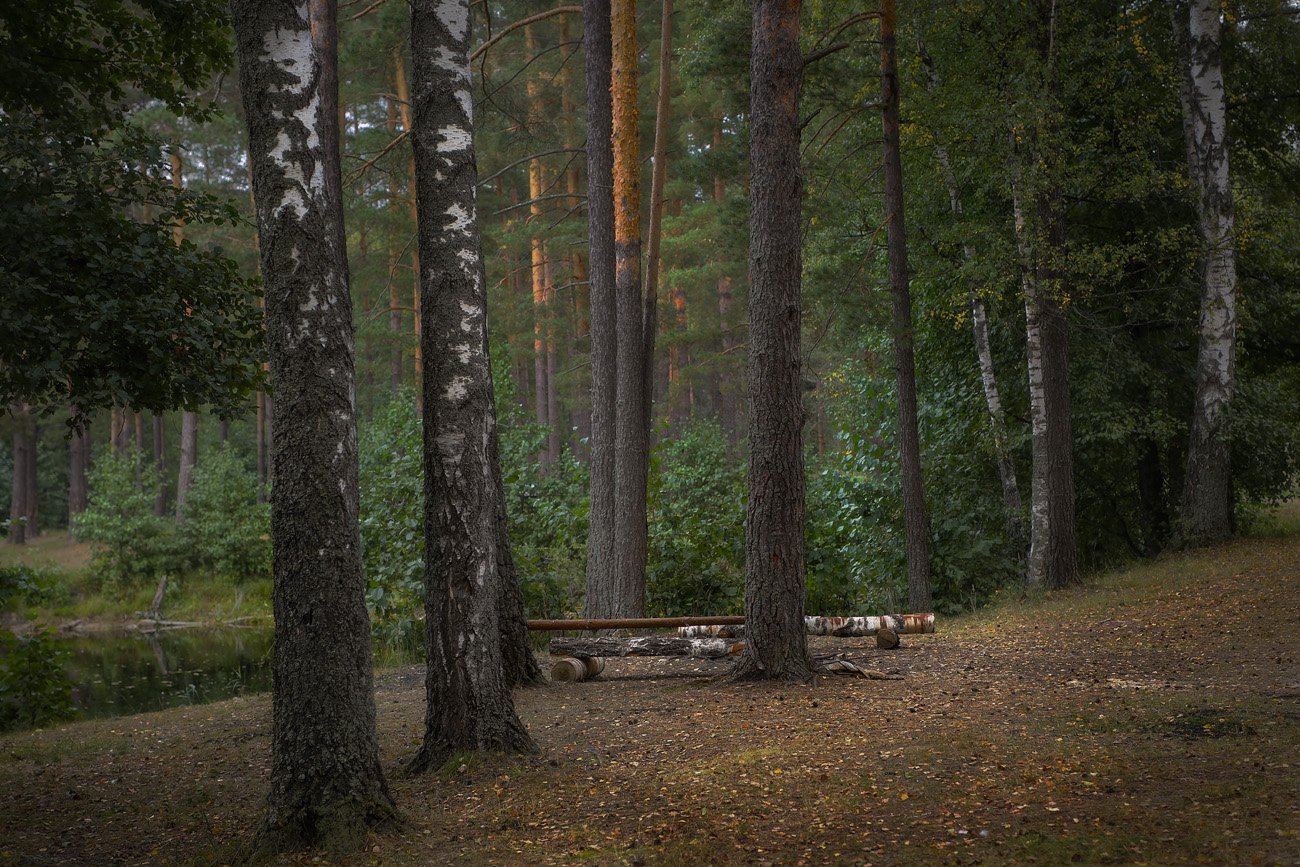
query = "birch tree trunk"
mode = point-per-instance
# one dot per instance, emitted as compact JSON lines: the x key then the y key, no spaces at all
{"x":631,"y":437}
{"x":327,"y":786}
{"x":774,"y":522}
{"x":468,"y":693}
{"x":1207,"y":507}
{"x":909,"y":441}
{"x":601,"y":574}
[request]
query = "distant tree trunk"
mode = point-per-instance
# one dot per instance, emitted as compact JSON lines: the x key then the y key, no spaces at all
{"x":327,"y":786}
{"x":189,"y":457}
{"x":631,"y":441}
{"x":580,"y":430}
{"x":658,"y":176}
{"x":23,"y":449}
{"x":159,"y":453}
{"x":33,"y":481}
{"x":914,"y":521}
{"x":1207,"y":507}
{"x":404,"y":107}
{"x":189,"y":420}
{"x":394,"y":260}
{"x":118,"y":431}
{"x":223,"y":432}
{"x":774,"y":523}
{"x":78,"y":461}
{"x":540,"y":274}
{"x":1012,"y":506}
{"x":468,"y":691}
{"x":727,"y":412}
{"x":602,"y":599}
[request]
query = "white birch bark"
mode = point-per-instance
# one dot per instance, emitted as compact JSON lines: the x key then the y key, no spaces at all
{"x":1207,"y":508}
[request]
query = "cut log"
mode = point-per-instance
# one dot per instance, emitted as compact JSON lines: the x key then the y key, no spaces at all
{"x":839,"y":627}
{"x":630,"y":623}
{"x":654,"y":645}
{"x":568,"y":670}
{"x":595,"y":666}
{"x":886,"y":639}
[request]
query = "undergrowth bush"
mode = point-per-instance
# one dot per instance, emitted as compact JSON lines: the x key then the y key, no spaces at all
{"x":34,"y":688}
{"x":225,"y":528}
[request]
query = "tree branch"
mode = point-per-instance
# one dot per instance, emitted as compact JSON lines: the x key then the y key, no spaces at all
{"x":523,"y":22}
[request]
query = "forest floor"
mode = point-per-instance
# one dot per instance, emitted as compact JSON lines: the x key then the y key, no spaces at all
{"x":1151,"y":717}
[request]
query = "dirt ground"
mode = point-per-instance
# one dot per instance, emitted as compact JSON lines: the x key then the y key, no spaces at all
{"x":1153,"y":717}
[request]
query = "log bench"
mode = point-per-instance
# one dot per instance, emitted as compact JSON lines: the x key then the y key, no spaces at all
{"x":580,"y":659}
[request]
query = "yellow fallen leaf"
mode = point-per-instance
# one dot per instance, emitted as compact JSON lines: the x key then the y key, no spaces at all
{"x":903,"y":797}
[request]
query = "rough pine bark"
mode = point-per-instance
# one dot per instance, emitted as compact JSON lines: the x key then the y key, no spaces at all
{"x":601,"y":576}
{"x":631,"y":436}
{"x":468,"y":692}
{"x":774,"y":522}
{"x":909,"y":441}
{"x":327,"y":786}
{"x":1207,"y":502}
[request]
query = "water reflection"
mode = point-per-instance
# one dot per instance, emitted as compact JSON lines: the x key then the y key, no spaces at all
{"x":115,"y":675}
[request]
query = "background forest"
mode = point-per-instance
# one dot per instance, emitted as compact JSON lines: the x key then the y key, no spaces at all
{"x":970,"y":91}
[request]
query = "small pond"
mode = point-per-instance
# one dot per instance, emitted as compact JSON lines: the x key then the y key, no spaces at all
{"x":119,"y":674}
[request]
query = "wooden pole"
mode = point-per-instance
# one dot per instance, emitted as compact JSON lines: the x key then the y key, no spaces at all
{"x":632,"y":623}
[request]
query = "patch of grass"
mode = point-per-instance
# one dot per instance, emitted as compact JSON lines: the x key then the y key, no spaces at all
{"x":53,"y":550}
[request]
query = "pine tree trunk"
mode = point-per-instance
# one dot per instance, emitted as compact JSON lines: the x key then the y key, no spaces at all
{"x":77,"y":463}
{"x":602,"y":600}
{"x":631,"y":437}
{"x":394,"y":260}
{"x":327,"y":786}
{"x":726,"y":396}
{"x":468,"y":691}
{"x":914,"y":521}
{"x":774,"y":524}
{"x":1207,"y":507}
{"x":404,"y":108}
{"x":159,"y":454}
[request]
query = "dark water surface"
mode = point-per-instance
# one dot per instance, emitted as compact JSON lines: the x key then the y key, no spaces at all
{"x":120,"y":674}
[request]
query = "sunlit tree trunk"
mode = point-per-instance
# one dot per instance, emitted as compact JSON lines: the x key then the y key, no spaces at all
{"x":914,"y":520}
{"x":468,"y":692}
{"x":602,"y":600}
{"x":394,"y":261}
{"x":631,"y":436}
{"x":1207,"y":507}
{"x":327,"y":786}
{"x":777,"y":648}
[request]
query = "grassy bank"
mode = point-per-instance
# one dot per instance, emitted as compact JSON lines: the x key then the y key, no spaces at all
{"x":1152,"y":717}
{"x":58,"y":584}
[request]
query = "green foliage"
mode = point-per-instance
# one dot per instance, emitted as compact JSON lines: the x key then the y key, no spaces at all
{"x":225,"y":528}
{"x":392,"y":517}
{"x":34,"y":688}
{"x":26,"y":585}
{"x":697,"y":524}
{"x":132,"y":545}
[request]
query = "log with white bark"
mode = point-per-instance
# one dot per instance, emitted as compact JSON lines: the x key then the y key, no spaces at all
{"x":839,"y":627}
{"x":653,"y":645}
{"x":569,"y":669}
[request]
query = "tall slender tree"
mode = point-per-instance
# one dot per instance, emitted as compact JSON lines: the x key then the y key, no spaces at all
{"x":631,"y":434}
{"x":24,"y":446}
{"x":1207,"y":508}
{"x":469,"y":703}
{"x":189,"y":453}
{"x":776,"y":647}
{"x":78,"y":462}
{"x":909,"y":441}
{"x":658,"y":177}
{"x":327,"y":786}
{"x":602,"y":600}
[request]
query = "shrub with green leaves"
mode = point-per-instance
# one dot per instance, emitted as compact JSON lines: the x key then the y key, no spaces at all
{"x":132,"y":545}
{"x":34,"y":688}
{"x":225,"y":528}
